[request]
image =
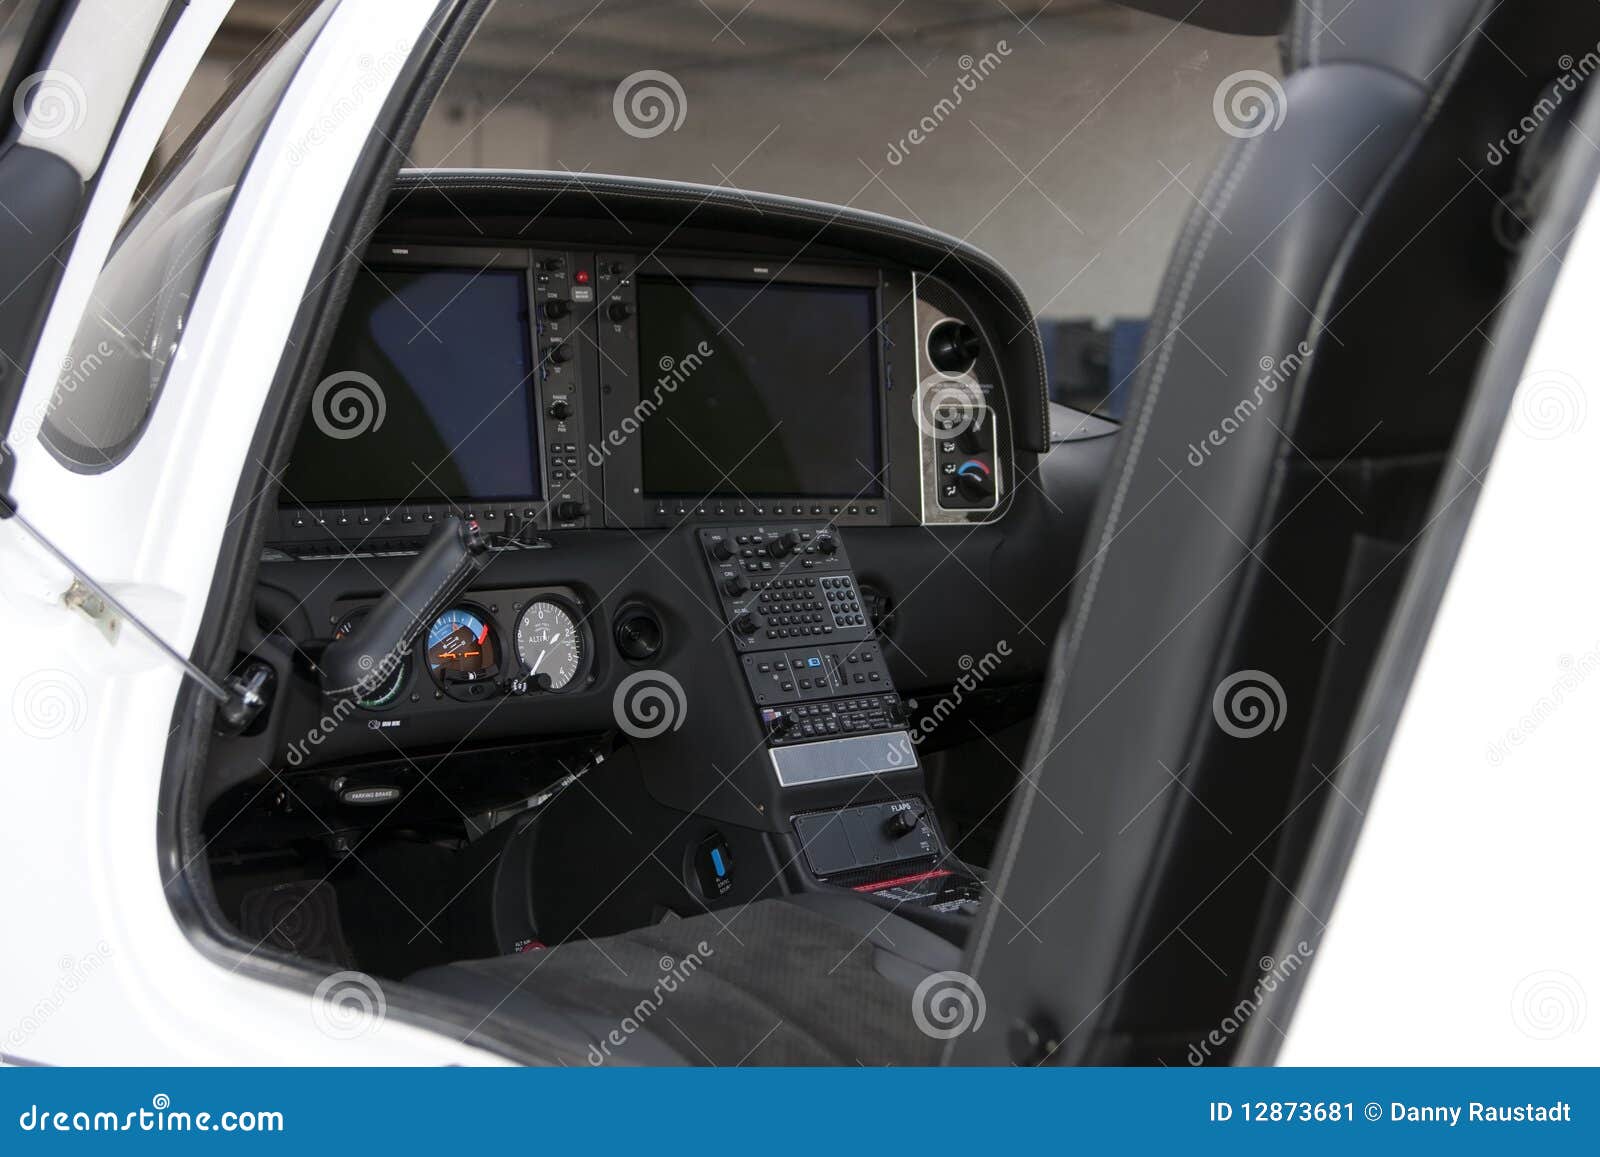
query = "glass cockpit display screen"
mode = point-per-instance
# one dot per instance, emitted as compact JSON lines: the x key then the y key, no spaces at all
{"x":425,"y":393}
{"x":784,"y":400}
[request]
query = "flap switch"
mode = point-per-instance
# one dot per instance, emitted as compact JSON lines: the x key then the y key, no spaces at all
{"x":906,"y":821}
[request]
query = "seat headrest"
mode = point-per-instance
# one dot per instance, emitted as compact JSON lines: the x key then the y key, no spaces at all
{"x":1415,"y":38}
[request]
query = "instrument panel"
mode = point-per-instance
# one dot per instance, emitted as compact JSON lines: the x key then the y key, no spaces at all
{"x":512,"y":641}
{"x":543,"y":389}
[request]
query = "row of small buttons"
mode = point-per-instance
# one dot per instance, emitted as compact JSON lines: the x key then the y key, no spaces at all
{"x":721,"y":510}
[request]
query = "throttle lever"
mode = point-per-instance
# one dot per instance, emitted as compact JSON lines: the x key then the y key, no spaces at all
{"x":366,"y":658}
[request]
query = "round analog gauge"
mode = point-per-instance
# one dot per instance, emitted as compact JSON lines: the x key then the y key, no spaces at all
{"x":549,"y":643}
{"x":389,"y":689}
{"x":462,"y":647}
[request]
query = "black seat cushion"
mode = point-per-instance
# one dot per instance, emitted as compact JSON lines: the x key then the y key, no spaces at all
{"x":811,"y":980}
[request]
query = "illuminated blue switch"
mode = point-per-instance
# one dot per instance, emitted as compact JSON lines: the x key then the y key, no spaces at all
{"x":714,"y":866}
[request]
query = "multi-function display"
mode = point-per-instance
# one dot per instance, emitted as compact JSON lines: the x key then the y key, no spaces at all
{"x":425,"y":394}
{"x":773,"y":388}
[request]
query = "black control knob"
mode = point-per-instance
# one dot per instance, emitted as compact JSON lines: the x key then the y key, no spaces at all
{"x":553,"y":264}
{"x":953,"y":347}
{"x":560,"y":352}
{"x":903,"y":823}
{"x":570,"y":510}
{"x":721,"y":550}
{"x":735,"y":586}
{"x":976,"y":485}
{"x":786,"y":543}
{"x":826,"y":543}
{"x":614,"y":268}
{"x":639,"y":635}
{"x":557,"y":308}
{"x":747,"y":623}
{"x":560,"y":409}
{"x":619,"y":311}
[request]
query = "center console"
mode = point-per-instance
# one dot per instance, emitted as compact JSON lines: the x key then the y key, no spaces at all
{"x":821,"y":693}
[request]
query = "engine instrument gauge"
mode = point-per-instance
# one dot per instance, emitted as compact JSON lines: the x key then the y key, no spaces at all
{"x":550,"y":643}
{"x":387,"y":691}
{"x":462,"y":648}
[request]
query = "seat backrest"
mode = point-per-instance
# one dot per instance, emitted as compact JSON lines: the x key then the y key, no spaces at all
{"x":1309,"y":355}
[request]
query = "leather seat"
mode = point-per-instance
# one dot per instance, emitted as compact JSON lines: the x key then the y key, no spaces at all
{"x":1310,"y":355}
{"x":819,"y":979}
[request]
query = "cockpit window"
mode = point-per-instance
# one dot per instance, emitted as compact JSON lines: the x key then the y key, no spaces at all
{"x":109,"y":382}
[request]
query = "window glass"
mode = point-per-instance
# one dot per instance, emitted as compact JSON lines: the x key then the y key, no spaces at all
{"x":130,"y":330}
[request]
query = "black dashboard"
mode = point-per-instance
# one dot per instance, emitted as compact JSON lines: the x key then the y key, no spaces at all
{"x":759,"y":483}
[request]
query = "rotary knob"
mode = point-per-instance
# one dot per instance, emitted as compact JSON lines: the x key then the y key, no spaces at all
{"x":747,"y":623}
{"x":619,"y":311}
